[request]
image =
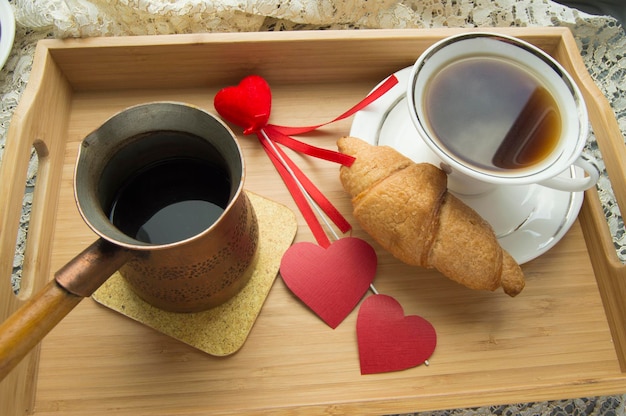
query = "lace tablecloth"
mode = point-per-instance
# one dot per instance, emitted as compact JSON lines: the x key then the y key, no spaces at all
{"x":601,"y":40}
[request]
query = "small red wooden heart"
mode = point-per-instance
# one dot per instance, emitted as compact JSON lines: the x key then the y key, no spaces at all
{"x":390,"y":341}
{"x":247,"y":105}
{"x":330,"y":281}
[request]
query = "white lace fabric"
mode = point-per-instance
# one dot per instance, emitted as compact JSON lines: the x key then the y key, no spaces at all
{"x":601,"y":41}
{"x":79,"y":18}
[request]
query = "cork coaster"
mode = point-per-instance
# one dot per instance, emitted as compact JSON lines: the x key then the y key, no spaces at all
{"x":222,"y":330}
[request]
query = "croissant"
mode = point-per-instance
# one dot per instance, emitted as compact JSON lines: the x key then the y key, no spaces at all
{"x":406,"y":208}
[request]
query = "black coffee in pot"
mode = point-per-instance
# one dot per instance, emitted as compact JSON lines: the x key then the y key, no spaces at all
{"x":171,"y":200}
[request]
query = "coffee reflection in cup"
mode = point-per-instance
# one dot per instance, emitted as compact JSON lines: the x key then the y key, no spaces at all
{"x":492,"y":114}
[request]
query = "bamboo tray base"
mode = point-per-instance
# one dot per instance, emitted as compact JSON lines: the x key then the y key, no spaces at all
{"x":564,"y":336}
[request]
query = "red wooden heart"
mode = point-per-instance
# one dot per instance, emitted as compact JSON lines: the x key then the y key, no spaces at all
{"x":330,"y":281}
{"x":390,"y":341}
{"x":248,"y":104}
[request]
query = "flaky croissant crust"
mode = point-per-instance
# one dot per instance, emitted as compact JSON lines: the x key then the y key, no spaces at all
{"x":407,"y":209}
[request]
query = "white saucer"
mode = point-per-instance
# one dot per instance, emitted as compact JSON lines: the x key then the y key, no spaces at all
{"x":527,"y":219}
{"x":7,"y":31}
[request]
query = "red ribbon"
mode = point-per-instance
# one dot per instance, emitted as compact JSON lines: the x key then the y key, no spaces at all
{"x":249,"y":105}
{"x":385,"y":86}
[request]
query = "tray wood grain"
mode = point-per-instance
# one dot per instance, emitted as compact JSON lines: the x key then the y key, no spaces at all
{"x":564,"y":336}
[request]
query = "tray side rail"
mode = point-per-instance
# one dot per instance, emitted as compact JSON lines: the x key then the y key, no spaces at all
{"x":44,"y":103}
{"x":225,"y":58}
{"x":609,"y":270}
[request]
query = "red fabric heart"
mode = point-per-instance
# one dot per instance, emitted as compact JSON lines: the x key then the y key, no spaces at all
{"x":390,"y":341}
{"x":330,"y":281}
{"x":247,"y":105}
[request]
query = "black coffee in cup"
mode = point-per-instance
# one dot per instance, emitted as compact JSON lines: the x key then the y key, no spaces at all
{"x":492,"y":114}
{"x":495,"y":110}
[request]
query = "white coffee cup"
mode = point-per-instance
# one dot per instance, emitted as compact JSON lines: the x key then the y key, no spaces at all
{"x":484,"y":97}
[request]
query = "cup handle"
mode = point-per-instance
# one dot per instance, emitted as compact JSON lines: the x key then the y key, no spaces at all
{"x":589,"y":165}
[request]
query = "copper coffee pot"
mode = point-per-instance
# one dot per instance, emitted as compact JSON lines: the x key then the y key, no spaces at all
{"x":187,"y":275}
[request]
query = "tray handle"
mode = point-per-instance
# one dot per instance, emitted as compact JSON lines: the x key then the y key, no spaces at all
{"x":39,"y":123}
{"x":26,"y":132}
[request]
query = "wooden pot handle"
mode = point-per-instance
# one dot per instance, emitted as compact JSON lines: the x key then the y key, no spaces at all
{"x":78,"y":279}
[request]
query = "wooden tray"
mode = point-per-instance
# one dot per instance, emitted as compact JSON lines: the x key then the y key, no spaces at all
{"x":564,"y":336}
